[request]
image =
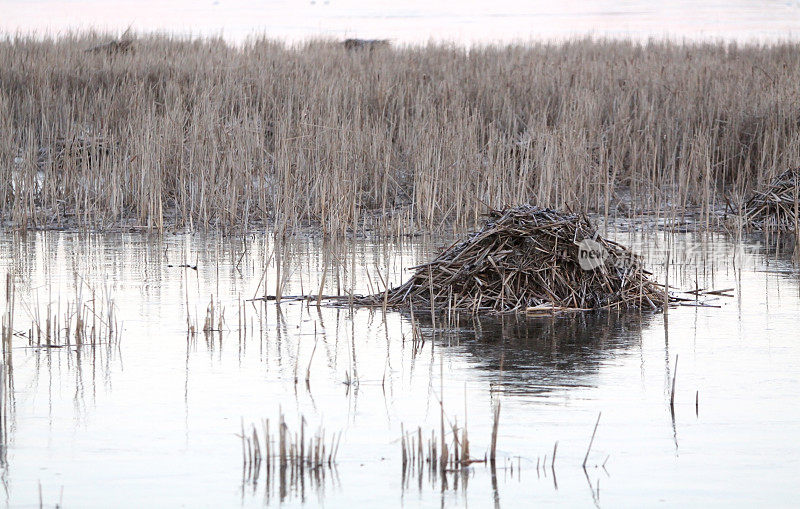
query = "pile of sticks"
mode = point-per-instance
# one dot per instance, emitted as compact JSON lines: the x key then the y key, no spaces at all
{"x":777,"y":207}
{"x":526,"y":259}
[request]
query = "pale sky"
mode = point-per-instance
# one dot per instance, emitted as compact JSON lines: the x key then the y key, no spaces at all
{"x":415,"y":21}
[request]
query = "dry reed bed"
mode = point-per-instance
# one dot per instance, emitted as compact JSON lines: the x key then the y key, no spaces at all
{"x":201,"y":134}
{"x":526,"y":259}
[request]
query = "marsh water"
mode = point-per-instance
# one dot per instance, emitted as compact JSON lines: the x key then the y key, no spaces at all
{"x":153,"y":416}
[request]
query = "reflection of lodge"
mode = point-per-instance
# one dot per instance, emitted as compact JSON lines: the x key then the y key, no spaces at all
{"x":539,"y":354}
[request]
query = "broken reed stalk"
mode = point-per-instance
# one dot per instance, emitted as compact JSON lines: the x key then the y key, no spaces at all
{"x":443,"y":451}
{"x":591,"y":441}
{"x":553,"y":461}
{"x":697,"y":403}
{"x":464,"y":436}
{"x":495,"y":428}
{"x":672,"y":392}
{"x":527,"y":259}
{"x":311,"y":359}
{"x":404,"y":453}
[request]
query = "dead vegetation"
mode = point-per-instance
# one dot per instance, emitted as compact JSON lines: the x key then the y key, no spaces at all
{"x":201,"y":134}
{"x":776,"y":207}
{"x":87,"y":320}
{"x":528,"y":259}
{"x":287,"y":462}
{"x":79,"y":150}
{"x":365,"y":44}
{"x":122,"y":45}
{"x":112,"y":47}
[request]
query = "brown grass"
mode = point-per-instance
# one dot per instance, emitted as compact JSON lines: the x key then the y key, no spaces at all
{"x":201,"y":134}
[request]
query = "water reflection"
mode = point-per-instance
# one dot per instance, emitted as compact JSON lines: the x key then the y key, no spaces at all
{"x":536,"y":355}
{"x":199,"y":356}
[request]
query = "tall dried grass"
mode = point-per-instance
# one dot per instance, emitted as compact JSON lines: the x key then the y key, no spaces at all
{"x":201,"y":134}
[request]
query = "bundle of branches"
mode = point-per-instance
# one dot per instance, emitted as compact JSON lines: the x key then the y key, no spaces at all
{"x":528,"y":259}
{"x":777,"y":206}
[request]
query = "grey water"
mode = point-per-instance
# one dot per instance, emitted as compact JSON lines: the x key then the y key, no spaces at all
{"x":154,"y":417}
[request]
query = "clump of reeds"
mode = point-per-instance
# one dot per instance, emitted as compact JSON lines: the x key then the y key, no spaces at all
{"x":448,"y":452}
{"x":286,"y":453}
{"x":204,"y":134}
{"x":526,"y":259}
{"x":213,"y":324}
{"x":89,"y":319}
{"x":776,"y":207}
{"x":215,"y":317}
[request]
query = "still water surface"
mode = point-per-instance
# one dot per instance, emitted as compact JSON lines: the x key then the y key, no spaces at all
{"x":153,"y":419}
